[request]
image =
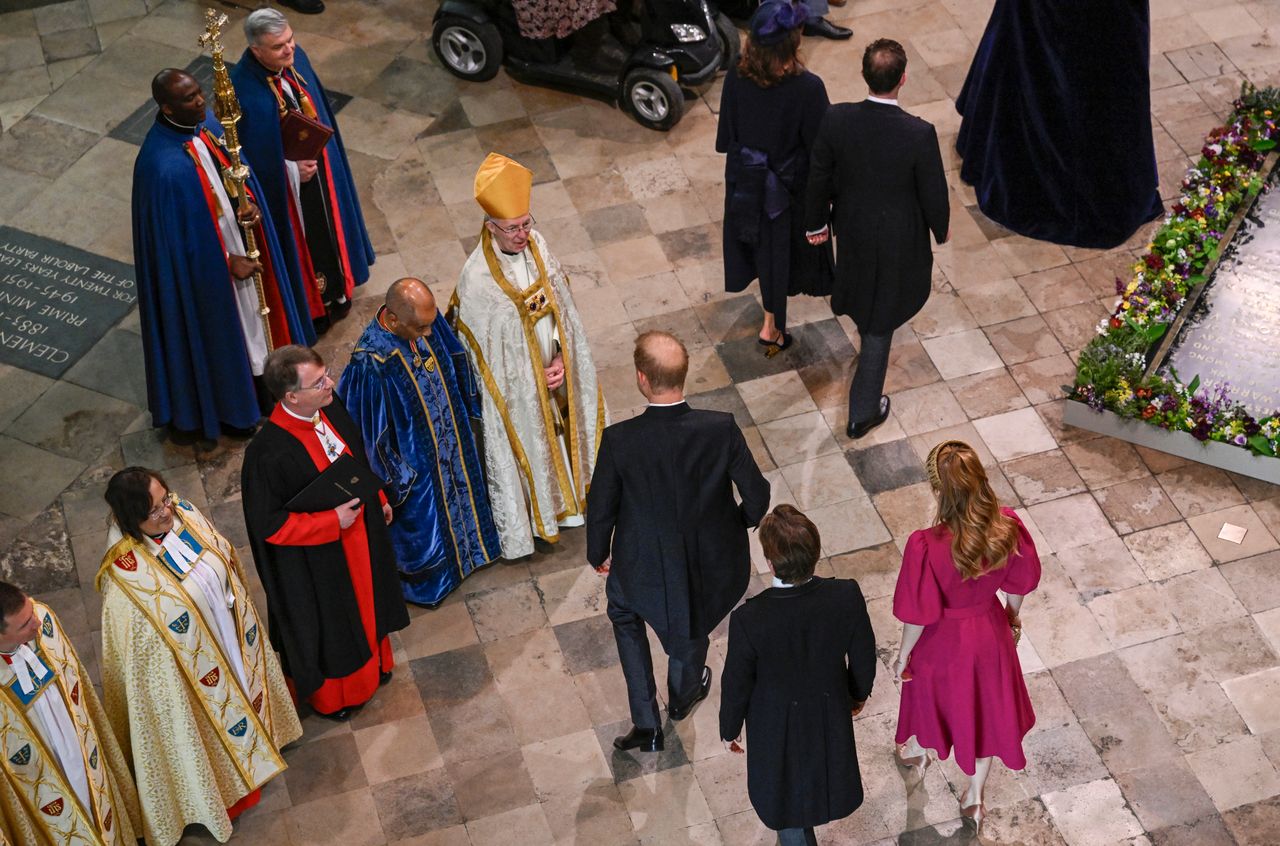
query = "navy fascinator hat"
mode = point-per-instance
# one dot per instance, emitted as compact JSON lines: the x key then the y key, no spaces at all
{"x":774,"y":20}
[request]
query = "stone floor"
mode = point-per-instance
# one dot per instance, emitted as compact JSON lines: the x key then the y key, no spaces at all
{"x":1150,"y":648}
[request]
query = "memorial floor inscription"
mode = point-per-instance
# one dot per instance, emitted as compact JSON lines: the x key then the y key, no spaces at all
{"x":1233,"y":336}
{"x":56,"y":301}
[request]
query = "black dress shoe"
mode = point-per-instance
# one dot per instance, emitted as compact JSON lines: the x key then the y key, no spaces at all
{"x":646,"y":740}
{"x":384,"y":678}
{"x":307,"y":7}
{"x":858,"y":430}
{"x":339,"y":716}
{"x":824,"y":28}
{"x":679,"y":712}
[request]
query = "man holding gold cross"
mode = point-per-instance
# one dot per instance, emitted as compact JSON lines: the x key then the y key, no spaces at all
{"x":542,"y":407}
{"x":207,"y":326}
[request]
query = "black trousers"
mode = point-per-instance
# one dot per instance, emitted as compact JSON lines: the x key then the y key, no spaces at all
{"x":868,"y":378}
{"x":685,"y":660}
{"x":797,"y":837}
{"x":322,"y":239}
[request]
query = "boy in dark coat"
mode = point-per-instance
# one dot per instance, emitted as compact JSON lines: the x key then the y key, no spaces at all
{"x":801,"y":660}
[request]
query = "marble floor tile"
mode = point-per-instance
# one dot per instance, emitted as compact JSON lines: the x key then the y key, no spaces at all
{"x":1166,"y":794}
{"x":1208,"y":526}
{"x":1102,"y":567}
{"x":962,"y":353}
{"x":1167,"y":551}
{"x":846,"y":526}
{"x":821,"y":481}
{"x":926,"y":408}
{"x":1135,"y":505}
{"x":492,"y":785}
{"x":987,"y":394}
{"x":1236,"y":773}
{"x":1201,"y":599}
{"x":1255,"y":696}
{"x":1196,"y":489}
{"x":797,"y":438}
{"x":1255,"y":824}
{"x":1043,"y":476}
{"x":1015,"y":434}
{"x":773,"y":397}
{"x":503,"y":612}
{"x":397,"y":749}
{"x":1105,"y":461}
{"x":416,"y":804}
{"x":1134,"y":615}
{"x":887,"y":466}
{"x":1095,"y":812}
{"x":1256,"y":580}
{"x":1071,"y":521}
{"x":351,"y":817}
{"x":324,"y":769}
{"x":664,"y":801}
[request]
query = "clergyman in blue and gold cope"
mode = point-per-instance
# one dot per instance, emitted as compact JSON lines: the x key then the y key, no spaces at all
{"x":411,"y":391}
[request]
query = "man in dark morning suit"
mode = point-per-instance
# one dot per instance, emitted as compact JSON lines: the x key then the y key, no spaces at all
{"x":664,"y":526}
{"x":801,"y":660}
{"x":875,"y":174}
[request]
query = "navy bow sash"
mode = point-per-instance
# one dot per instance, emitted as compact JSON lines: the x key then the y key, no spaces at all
{"x":759,"y":188}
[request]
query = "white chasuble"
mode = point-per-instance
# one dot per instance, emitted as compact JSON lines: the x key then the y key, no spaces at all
{"x":191,"y":683}
{"x":513,"y":313}
{"x":63,"y":777}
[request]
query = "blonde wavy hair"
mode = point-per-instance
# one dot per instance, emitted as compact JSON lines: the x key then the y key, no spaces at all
{"x":982,"y":536}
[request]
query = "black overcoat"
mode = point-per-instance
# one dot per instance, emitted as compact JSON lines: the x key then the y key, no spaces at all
{"x":764,"y":197}
{"x":876,"y":172}
{"x":311,"y":607}
{"x":662,"y":504}
{"x":798,"y":659}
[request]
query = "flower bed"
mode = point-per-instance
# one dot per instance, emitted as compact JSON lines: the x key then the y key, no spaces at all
{"x":1113,"y":370}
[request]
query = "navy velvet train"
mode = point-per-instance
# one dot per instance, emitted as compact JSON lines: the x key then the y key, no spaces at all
{"x":1056,"y":120}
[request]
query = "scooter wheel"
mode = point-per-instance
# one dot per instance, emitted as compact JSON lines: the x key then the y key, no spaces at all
{"x":730,"y":41}
{"x":468,"y":49}
{"x":653,"y":98}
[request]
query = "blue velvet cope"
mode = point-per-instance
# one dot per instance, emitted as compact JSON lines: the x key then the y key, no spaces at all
{"x":1056,"y":130}
{"x":260,"y":135}
{"x":416,"y":425}
{"x":198,"y":373}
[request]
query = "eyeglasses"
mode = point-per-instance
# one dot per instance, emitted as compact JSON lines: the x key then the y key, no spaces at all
{"x":323,"y":382}
{"x":161,"y":509}
{"x":519,"y":227}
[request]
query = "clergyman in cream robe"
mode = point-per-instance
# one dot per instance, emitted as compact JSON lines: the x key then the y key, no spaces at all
{"x":64,"y":780}
{"x":192,"y":687}
{"x":513,"y":312}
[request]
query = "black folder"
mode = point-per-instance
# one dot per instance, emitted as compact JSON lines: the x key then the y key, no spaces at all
{"x":343,"y":481}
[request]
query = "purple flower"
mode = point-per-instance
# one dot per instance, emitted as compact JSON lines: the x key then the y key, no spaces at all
{"x":1202,"y":431}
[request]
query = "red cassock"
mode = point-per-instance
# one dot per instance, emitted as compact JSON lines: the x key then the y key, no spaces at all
{"x":966,"y":689}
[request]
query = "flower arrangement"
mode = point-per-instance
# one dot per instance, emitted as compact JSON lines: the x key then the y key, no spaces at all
{"x":1110,"y":370}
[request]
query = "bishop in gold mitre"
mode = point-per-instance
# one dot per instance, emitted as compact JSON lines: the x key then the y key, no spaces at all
{"x":543,"y":410}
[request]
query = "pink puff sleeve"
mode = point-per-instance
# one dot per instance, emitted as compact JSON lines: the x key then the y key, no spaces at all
{"x":917,"y":598}
{"x":1022,"y":573}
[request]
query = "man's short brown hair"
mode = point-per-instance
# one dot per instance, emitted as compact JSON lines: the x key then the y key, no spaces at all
{"x":791,"y":543}
{"x":883,"y":65}
{"x":661,"y":373}
{"x":12,"y":600}
{"x":281,"y":370}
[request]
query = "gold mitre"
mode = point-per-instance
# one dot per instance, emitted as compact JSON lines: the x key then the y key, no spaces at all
{"x":503,"y":186}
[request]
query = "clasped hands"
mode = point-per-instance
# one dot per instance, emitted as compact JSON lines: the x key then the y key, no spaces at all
{"x":554,"y":373}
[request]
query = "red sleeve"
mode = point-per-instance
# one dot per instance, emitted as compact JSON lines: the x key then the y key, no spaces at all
{"x":917,"y":598}
{"x":312,"y":529}
{"x":382,"y":497}
{"x":1022,"y":573}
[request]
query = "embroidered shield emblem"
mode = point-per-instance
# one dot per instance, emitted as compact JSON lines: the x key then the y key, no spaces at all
{"x":22,"y":757}
{"x":75,"y":693}
{"x":251,"y":634}
{"x":185,"y":506}
{"x":182,"y":623}
{"x":239,"y":728}
{"x":127,"y":562}
{"x":257,"y":703}
{"x":54,"y":808}
{"x":106,"y":821}
{"x":46,"y":628}
{"x":93,"y":758}
{"x":210,"y":679}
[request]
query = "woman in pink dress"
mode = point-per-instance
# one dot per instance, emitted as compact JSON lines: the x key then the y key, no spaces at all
{"x":962,"y":684}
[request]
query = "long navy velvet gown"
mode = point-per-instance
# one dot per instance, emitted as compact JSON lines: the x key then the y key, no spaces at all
{"x":1056,"y":130}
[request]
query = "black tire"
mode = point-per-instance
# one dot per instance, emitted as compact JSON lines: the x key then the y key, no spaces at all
{"x":653,"y":98}
{"x":467,"y":49}
{"x":730,"y":41}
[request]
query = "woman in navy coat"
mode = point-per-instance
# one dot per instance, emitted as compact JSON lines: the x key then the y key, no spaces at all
{"x":769,"y":114}
{"x":801,"y":660}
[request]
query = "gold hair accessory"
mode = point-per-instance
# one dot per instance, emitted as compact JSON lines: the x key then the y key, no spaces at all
{"x":931,"y":463}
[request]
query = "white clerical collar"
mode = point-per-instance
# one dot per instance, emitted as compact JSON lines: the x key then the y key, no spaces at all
{"x":888,"y":102}
{"x":667,"y":404}
{"x":289,"y":411}
{"x":779,"y":583}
